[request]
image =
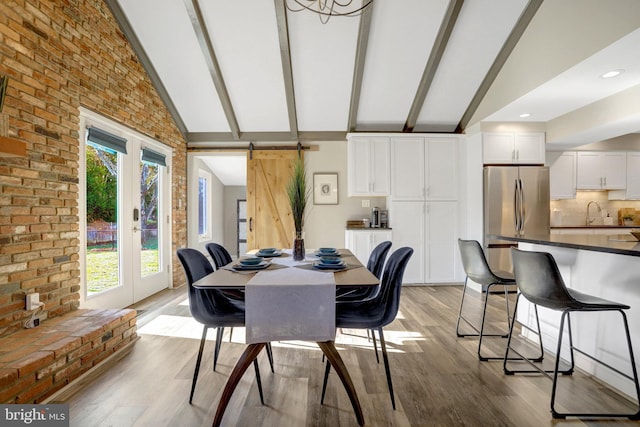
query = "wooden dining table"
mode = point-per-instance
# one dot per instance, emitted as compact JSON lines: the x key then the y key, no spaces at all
{"x":355,"y":276}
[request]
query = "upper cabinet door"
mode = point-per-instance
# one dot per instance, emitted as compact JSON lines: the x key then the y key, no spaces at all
{"x":562,"y":175}
{"x":424,"y":168}
{"x":408,"y":168}
{"x":601,"y":170}
{"x":529,"y":148}
{"x":368,"y":166}
{"x":633,"y":176}
{"x":497,"y":148}
{"x":614,"y":170}
{"x":509,"y":148}
{"x":442,"y":168}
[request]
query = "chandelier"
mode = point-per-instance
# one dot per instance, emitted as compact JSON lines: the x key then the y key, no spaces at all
{"x":328,"y":8}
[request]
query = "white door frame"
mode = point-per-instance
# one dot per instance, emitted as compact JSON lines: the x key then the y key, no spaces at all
{"x":132,"y":287}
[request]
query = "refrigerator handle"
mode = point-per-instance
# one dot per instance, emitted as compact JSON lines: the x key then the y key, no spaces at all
{"x":523,"y":205}
{"x":516,"y":210}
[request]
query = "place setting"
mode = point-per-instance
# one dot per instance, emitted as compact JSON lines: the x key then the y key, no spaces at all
{"x":269,"y":253}
{"x":329,"y":259}
{"x":251,"y":264}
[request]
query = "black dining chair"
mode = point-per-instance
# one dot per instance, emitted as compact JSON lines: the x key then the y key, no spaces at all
{"x":375,"y":264}
{"x":477,"y":269}
{"x":377,"y":312}
{"x":540,"y":282}
{"x":210,"y":307}
{"x":219,"y":254}
{"x":221,"y":257}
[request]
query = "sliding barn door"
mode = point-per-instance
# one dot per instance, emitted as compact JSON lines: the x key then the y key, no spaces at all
{"x":269,"y":222}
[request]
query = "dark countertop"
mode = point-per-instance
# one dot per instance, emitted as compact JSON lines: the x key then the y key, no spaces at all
{"x":368,"y":228}
{"x":593,"y":227}
{"x":613,"y":244}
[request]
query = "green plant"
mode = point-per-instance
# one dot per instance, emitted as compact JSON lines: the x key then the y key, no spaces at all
{"x":298,"y":193}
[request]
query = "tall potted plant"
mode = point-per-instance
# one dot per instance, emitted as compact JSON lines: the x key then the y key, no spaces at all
{"x":298,"y":195}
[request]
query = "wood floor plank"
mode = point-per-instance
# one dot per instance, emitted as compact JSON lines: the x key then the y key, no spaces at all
{"x":437,"y":377}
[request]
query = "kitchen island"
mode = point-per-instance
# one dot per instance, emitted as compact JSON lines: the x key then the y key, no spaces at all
{"x":601,"y":265}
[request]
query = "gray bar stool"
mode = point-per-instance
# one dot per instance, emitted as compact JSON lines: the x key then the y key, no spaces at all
{"x":540,"y":282}
{"x":477,"y":269}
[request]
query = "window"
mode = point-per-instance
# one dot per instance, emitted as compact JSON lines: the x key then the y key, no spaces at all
{"x":204,"y":198}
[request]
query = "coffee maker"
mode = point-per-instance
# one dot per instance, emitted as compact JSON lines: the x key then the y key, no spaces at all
{"x":375,"y":217}
{"x":384,"y":218}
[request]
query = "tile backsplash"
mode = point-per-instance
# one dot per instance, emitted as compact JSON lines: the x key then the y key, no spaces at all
{"x":574,"y":211}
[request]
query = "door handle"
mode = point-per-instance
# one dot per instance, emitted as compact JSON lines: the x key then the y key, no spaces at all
{"x":136,"y":229}
{"x":251,"y":224}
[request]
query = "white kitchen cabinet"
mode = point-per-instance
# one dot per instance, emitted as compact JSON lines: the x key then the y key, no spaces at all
{"x":562,"y":175}
{"x":424,"y":168}
{"x":601,"y":170}
{"x":430,"y":228}
{"x":368,"y":166}
{"x":632,"y":190}
{"x":362,"y":242}
{"x":513,"y":148}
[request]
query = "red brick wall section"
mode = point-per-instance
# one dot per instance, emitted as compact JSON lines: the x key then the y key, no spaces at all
{"x":36,"y":363}
{"x":60,"y":55}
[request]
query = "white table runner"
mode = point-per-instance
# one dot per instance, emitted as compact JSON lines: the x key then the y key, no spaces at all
{"x":290,"y":304}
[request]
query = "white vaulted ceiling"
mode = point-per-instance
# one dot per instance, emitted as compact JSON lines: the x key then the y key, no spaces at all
{"x":240,"y":71}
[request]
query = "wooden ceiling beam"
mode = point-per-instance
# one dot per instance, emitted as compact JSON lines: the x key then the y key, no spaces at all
{"x":285,"y":57}
{"x":204,"y":40}
{"x":214,"y":137}
{"x":439,"y":46}
{"x":358,"y":69}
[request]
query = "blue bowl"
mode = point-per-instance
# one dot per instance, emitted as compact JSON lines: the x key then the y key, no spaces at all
{"x":250,"y":261}
{"x":327,"y":250}
{"x":267,"y":250}
{"x":330,"y":259}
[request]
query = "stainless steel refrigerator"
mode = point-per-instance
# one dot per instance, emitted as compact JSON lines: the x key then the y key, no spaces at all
{"x":516,"y":201}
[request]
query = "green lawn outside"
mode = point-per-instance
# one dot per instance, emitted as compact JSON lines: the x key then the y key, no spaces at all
{"x":102,"y":268}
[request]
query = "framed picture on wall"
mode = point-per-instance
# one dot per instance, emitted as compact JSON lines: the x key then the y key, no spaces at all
{"x":325,"y":188}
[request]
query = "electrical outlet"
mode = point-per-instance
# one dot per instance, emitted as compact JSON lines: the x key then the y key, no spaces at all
{"x":366,"y":203}
{"x":33,"y":301}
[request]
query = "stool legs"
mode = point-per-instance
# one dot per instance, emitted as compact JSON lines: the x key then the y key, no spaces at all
{"x":634,"y":378}
{"x":530,"y":360}
{"x":480,"y":332}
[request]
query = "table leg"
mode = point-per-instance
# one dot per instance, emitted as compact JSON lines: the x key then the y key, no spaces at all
{"x":247,"y":358}
{"x":329,"y":350}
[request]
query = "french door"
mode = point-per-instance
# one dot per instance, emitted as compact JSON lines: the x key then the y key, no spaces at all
{"x":125,"y":224}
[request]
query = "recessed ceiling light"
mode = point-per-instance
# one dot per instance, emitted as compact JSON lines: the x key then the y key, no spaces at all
{"x":523,"y":115}
{"x":612,"y":73}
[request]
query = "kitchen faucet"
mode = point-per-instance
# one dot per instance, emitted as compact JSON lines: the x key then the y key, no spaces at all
{"x":589,"y":220}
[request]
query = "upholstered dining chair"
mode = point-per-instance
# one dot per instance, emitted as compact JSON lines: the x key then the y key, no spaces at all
{"x":219,"y":254}
{"x":377,"y":312}
{"x":210,"y":307}
{"x":540,"y":282}
{"x":477,"y":269}
{"x":221,"y":257}
{"x":375,"y":264}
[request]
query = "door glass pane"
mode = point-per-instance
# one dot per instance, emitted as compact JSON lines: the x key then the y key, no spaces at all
{"x":202,"y":206}
{"x":103,"y":260}
{"x":149,"y":215}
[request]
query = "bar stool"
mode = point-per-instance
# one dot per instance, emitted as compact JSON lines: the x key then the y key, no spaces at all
{"x":540,"y":282}
{"x":477,"y":269}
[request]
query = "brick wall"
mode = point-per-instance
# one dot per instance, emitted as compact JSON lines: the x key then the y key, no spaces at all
{"x":60,"y":55}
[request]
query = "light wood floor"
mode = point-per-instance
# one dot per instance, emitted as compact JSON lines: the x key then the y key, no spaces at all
{"x":437,"y":377}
